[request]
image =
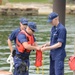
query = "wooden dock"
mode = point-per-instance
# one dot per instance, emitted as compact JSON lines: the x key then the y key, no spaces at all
{"x":25,"y":9}
{"x":18,"y":11}
{"x":31,"y":9}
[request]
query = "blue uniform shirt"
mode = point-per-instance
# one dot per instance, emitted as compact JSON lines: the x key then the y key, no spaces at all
{"x":58,"y":34}
{"x":14,"y":34}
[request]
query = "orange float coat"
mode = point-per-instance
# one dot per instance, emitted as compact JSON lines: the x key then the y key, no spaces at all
{"x":30,"y":39}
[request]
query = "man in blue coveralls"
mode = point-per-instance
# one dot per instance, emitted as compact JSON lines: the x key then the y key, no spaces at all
{"x":25,"y":43}
{"x":56,"y":45}
{"x":12,"y":36}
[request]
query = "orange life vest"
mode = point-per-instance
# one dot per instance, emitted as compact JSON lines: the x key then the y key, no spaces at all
{"x":30,"y":39}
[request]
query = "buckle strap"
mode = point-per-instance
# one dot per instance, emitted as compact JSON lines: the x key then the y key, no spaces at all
{"x":22,"y":57}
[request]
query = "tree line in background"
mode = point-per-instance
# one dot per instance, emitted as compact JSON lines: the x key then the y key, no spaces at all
{"x":39,"y":1}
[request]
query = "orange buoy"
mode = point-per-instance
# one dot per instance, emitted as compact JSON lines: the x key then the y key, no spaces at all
{"x":38,"y":61}
{"x":72,"y":63}
{"x":5,"y":73}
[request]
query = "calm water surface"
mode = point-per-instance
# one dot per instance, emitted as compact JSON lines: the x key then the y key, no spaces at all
{"x":9,"y":23}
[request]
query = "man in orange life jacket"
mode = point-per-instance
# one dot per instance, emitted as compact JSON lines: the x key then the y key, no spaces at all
{"x":25,"y":42}
{"x":12,"y":36}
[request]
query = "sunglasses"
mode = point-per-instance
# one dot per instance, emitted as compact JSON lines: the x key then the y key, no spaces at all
{"x":32,"y":30}
{"x":24,"y":24}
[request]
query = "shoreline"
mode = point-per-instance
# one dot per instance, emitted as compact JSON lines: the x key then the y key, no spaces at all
{"x":31,"y":9}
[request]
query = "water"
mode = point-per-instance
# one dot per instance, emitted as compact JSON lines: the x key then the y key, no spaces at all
{"x":9,"y":23}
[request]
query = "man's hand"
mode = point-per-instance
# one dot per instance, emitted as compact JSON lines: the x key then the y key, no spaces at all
{"x":43,"y":49}
{"x":46,"y":48}
{"x":46,"y":44}
{"x":38,"y":47}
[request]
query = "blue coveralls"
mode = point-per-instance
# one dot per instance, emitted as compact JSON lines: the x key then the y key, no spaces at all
{"x":21,"y":38}
{"x":57,"y":56}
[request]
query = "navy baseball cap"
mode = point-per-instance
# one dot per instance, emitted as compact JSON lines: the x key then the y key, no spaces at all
{"x":24,"y":21}
{"x":52,"y":16}
{"x":32,"y":26}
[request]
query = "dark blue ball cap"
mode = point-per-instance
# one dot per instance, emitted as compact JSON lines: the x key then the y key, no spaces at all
{"x":24,"y":21}
{"x":52,"y":16}
{"x":32,"y":26}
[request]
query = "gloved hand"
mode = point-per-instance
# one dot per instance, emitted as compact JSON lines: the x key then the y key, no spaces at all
{"x":13,"y":53}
